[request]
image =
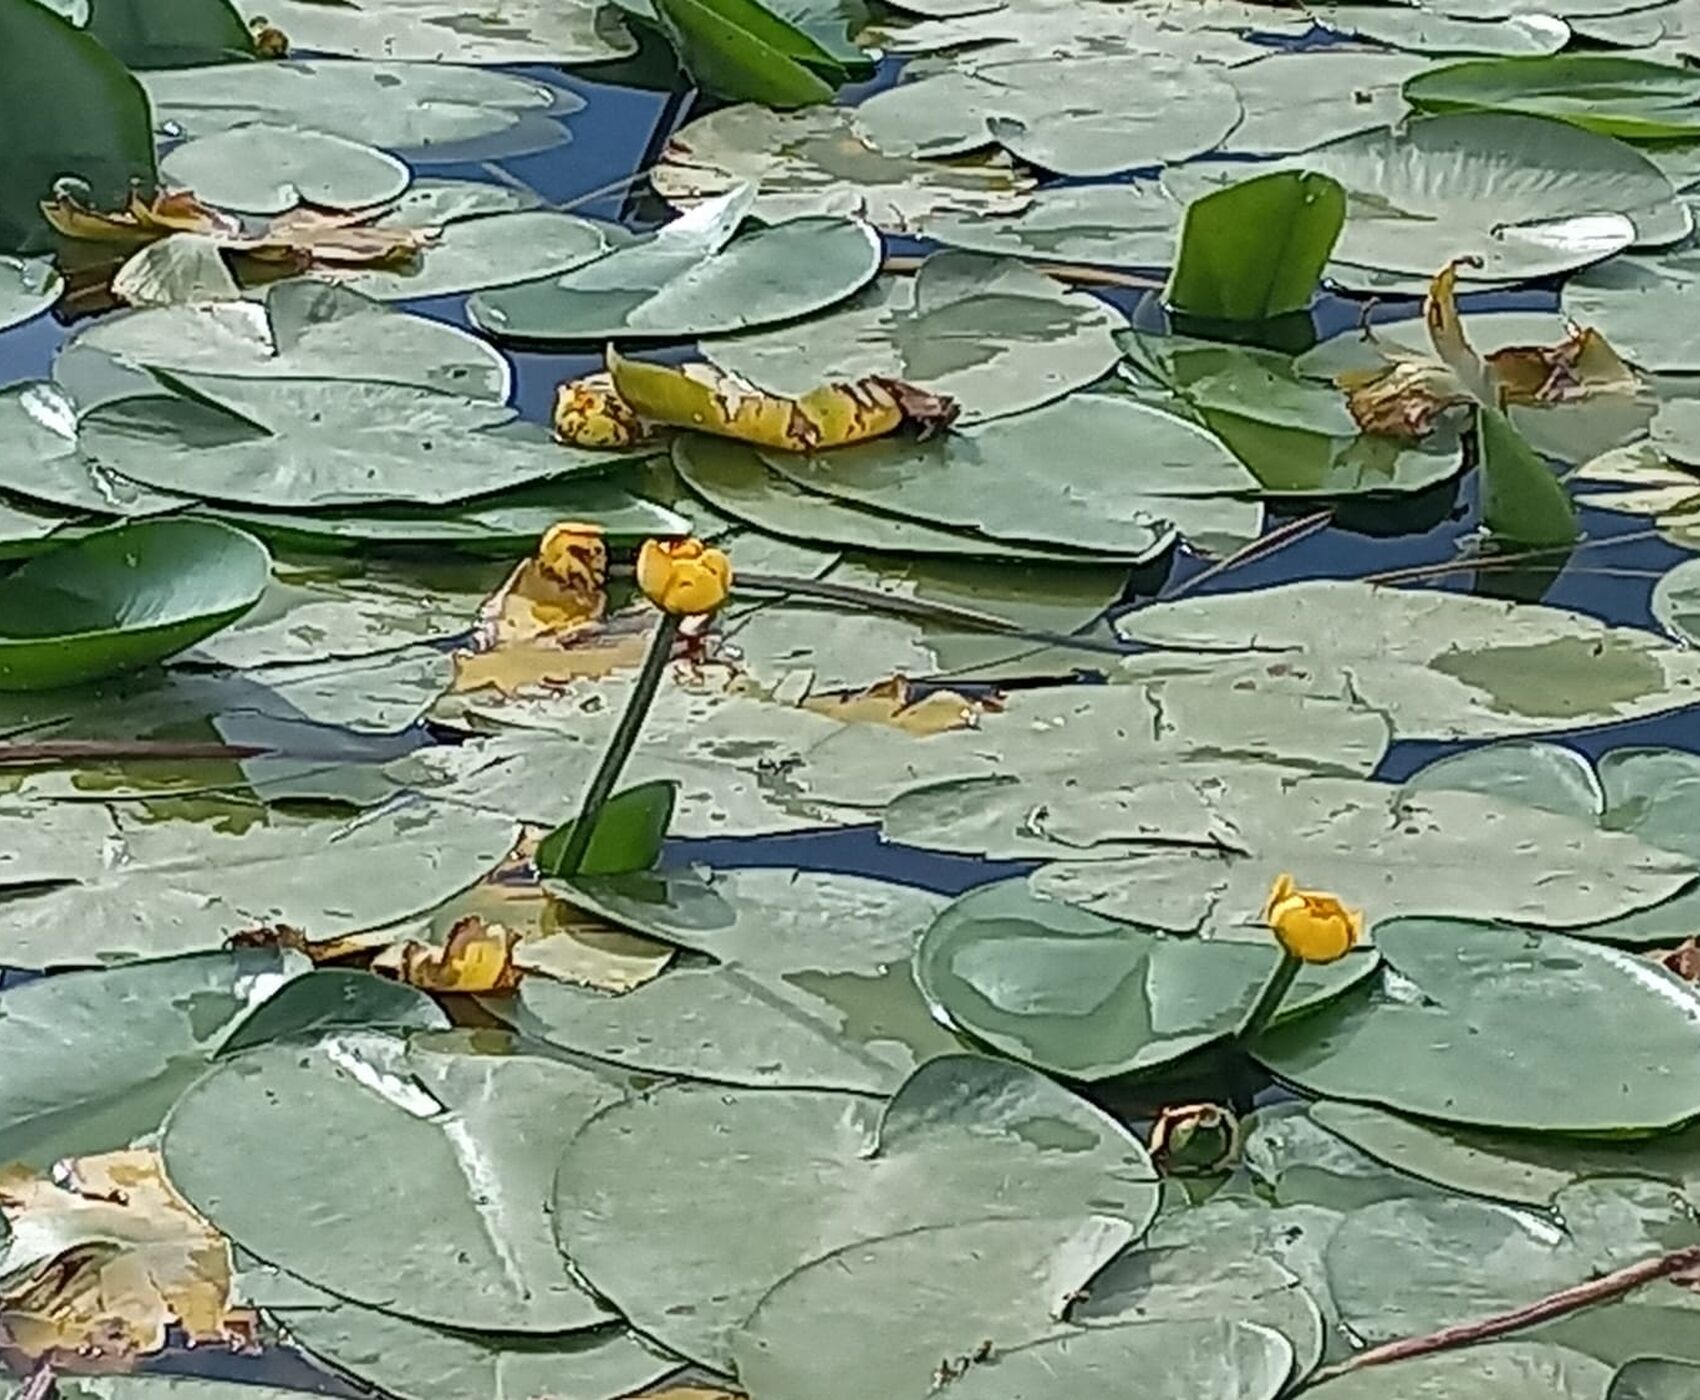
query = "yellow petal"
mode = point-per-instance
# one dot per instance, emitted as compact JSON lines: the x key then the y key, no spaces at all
{"x":476,"y":958}
{"x":1446,"y":332}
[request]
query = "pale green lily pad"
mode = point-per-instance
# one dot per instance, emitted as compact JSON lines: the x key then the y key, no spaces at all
{"x":412,"y":1361}
{"x":1131,"y":224}
{"x":26,"y":529}
{"x":443,"y":31}
{"x":28,"y":287}
{"x":936,"y":1291}
{"x":1640,"y":302}
{"x":653,"y":1200}
{"x":398,"y":106}
{"x":1188,"y":109}
{"x":432,"y":204}
{"x":302,"y":330}
{"x":1529,"y":196}
{"x":289,"y":1150}
{"x":1676,"y":601}
{"x":1096,"y":472}
{"x":168,"y":1387}
{"x":1420,"y":30}
{"x":95,"y":1059}
{"x":810,"y":988}
{"x":1294,"y":101}
{"x":265,"y":169}
{"x":1089,"y":998}
{"x":1440,"y":665}
{"x":812,"y":162}
{"x":1476,"y":1024}
{"x":1298,"y":1164}
{"x":324,"y":442}
{"x":40,"y":460}
{"x":489,"y":250}
{"x":1655,"y":1378}
{"x":1510,"y":1370}
{"x":1548,"y":776}
{"x":995,"y":335}
{"x":154,"y":888}
{"x":695,"y":276}
{"x":1173,"y":1360}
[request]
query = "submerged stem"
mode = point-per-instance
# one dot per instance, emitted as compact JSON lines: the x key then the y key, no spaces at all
{"x":1270,"y":998}
{"x":620,"y":746}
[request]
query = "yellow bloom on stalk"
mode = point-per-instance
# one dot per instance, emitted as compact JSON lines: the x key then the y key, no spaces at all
{"x":1311,"y":925}
{"x":684,"y":577}
{"x":575,"y":555}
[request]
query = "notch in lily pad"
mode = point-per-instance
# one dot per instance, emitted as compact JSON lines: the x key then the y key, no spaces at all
{"x":122,"y":599}
{"x":1253,"y":253}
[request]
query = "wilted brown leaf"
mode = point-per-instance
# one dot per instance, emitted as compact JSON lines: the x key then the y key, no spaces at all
{"x":892,"y":702}
{"x":329,"y":238}
{"x":143,"y":221}
{"x":101,"y":1266}
{"x":477,"y":958}
{"x":1683,"y":960}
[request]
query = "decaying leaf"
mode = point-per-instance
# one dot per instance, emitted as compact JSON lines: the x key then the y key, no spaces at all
{"x":478,"y":957}
{"x":1683,"y":960}
{"x":893,"y":702}
{"x":1406,"y":397}
{"x":626,"y":404}
{"x":143,"y":221}
{"x":103,"y":1261}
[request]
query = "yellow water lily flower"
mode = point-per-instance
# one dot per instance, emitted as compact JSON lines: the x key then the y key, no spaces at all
{"x":1310,"y":924}
{"x":576,"y":555}
{"x":589,"y":412}
{"x":684,"y":577}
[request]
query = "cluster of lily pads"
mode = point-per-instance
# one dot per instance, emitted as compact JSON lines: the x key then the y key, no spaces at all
{"x":332,"y":1055}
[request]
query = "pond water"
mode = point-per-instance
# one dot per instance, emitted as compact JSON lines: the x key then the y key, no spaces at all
{"x":1609,"y":574}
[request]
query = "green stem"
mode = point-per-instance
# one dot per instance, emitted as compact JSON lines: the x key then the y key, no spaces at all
{"x":620,"y":746}
{"x":1270,"y":998}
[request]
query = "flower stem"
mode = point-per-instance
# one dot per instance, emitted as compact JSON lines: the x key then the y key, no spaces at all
{"x":620,"y":745}
{"x":1270,"y":998}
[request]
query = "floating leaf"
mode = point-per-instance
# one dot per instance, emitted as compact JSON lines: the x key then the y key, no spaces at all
{"x":121,"y":599}
{"x":490,"y":250}
{"x":436,"y":31}
{"x":1485,"y":1036}
{"x":1654,"y":1378}
{"x":270,"y":169}
{"x":653,"y":1197}
{"x":1610,"y":93}
{"x":742,"y":52}
{"x":1640,"y":301}
{"x":1511,"y":1370}
{"x":1089,"y":998}
{"x":364,"y":1133}
{"x":1131,"y":223}
{"x":1225,"y":268}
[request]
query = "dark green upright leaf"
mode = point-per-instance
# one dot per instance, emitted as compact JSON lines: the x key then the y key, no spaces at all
{"x":1522,"y":501}
{"x":628,"y":836}
{"x":1256,"y":250}
{"x":67,"y":108}
{"x":171,"y":33}
{"x":738,"y":50}
{"x":124,"y":598}
{"x":1610,"y":93}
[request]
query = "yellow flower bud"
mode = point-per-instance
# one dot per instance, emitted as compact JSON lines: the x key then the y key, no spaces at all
{"x":1310,"y":924}
{"x":684,"y":577}
{"x":1194,"y":1139}
{"x":589,"y":412}
{"x":576,"y":555}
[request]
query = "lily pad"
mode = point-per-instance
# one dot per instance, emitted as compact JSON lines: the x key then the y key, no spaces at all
{"x":812,"y":162}
{"x":287,"y":1151}
{"x":1475,"y":1025}
{"x":397,"y":106}
{"x":263,"y":169}
{"x":1616,"y":94}
{"x":121,"y":599}
{"x":489,"y":250}
{"x":1296,"y":101}
{"x":323,"y":442}
{"x":1440,"y":665}
{"x":654,"y":1195}
{"x":1654,"y":1378}
{"x":301,"y":330}
{"x":442,"y":31}
{"x":810,"y":985}
{"x":1513,"y":1370}
{"x":1638,"y":301}
{"x":1089,"y":998}
{"x":936,"y":1291}
{"x":28,"y":287}
{"x":996,"y":336}
{"x":690,"y":280}
{"x":1420,"y":30}
{"x":1132,"y":224}
{"x":1188,"y":109}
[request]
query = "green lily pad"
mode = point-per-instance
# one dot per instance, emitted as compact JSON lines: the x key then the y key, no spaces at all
{"x":488,"y":250}
{"x":263,"y":169}
{"x":1479,"y":1026}
{"x":28,"y":287}
{"x":288,"y":1151}
{"x":121,"y":599}
{"x":97,"y":1058}
{"x":1132,"y":224}
{"x":1615,"y":94}
{"x":1655,"y":1378}
{"x":1421,"y":31}
{"x":440,"y":31}
{"x":1639,"y":302}
{"x":654,"y":1196}
{"x":1510,"y":1370}
{"x":810,"y":987}
{"x":1089,"y":998}
{"x":695,"y":276}
{"x":301,"y":330}
{"x":995,"y":335}
{"x":937,"y":1291}
{"x":397,"y":106}
{"x":70,"y":108}
{"x":812,"y":162}
{"x":291,"y":443}
{"x":744,"y":52}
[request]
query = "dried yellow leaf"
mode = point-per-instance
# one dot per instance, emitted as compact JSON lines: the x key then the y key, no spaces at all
{"x":143,"y":221}
{"x":709,"y":400}
{"x":99,"y":1267}
{"x":891,"y":702}
{"x":477,"y":958}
